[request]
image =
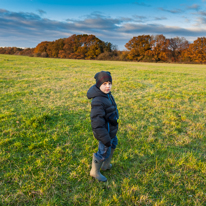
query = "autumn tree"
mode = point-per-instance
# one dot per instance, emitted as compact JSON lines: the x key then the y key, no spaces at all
{"x":27,"y":52}
{"x":196,"y":51}
{"x":10,"y":50}
{"x":177,"y":45}
{"x":159,"y":49}
{"x":156,"y":48}
{"x":138,"y":46}
{"x":93,"y":45}
{"x":54,"y":47}
{"x":41,"y":47}
{"x":83,"y":47}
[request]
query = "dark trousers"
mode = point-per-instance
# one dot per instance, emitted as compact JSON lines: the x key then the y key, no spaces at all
{"x":104,"y":151}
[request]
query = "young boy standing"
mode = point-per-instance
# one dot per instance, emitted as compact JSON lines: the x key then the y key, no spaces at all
{"x":104,"y":117}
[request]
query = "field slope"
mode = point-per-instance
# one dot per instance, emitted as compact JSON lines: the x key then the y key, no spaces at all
{"x":46,"y":141}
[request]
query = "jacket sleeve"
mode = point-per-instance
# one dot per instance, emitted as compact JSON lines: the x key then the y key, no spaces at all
{"x":98,"y":122}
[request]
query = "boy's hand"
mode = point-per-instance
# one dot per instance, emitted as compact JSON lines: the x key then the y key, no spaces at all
{"x":108,"y":144}
{"x":113,"y":119}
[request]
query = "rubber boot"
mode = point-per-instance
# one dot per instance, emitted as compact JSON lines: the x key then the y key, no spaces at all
{"x":95,"y":171}
{"x":106,"y":164}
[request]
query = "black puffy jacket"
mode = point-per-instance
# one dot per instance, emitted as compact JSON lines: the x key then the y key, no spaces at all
{"x":104,"y":114}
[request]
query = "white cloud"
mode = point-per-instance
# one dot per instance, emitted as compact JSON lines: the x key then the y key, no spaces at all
{"x":25,"y":29}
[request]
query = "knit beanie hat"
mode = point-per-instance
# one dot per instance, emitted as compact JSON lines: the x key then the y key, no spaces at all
{"x":102,"y":77}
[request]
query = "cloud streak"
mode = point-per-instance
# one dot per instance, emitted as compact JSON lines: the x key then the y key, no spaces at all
{"x":141,"y":4}
{"x":194,"y":7}
{"x":41,"y":12}
{"x":174,"y":11}
{"x":202,"y":13}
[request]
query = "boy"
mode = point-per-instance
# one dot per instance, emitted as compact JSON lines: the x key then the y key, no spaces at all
{"x":104,"y":116}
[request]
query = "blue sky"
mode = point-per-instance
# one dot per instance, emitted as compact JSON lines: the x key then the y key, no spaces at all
{"x":25,"y":23}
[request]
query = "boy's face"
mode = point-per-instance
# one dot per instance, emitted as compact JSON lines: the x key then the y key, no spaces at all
{"x":106,"y":87}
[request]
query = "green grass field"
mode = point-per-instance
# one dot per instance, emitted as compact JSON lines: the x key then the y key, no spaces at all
{"x":46,"y":141}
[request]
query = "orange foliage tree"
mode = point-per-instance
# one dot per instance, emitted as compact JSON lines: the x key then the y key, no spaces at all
{"x":54,"y":47}
{"x":177,"y":45}
{"x":196,"y":52}
{"x":156,"y":48}
{"x":159,"y":49}
{"x":74,"y":47}
{"x":138,"y":46}
{"x":41,"y":47}
{"x":83,"y":47}
{"x":10,"y":50}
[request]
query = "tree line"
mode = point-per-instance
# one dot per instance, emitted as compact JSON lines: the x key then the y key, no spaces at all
{"x":145,"y":48}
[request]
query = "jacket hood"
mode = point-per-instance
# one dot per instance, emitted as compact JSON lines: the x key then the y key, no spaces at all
{"x":94,"y":91}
